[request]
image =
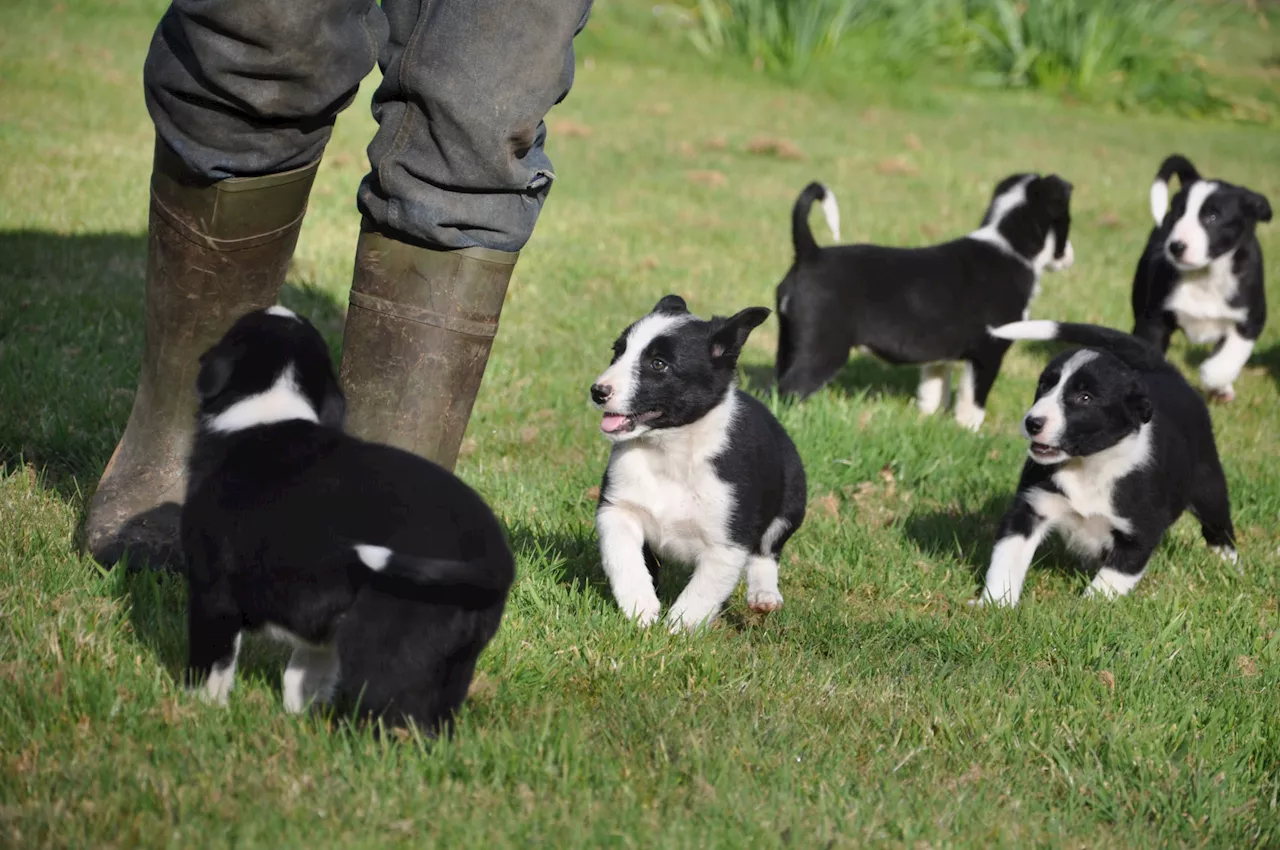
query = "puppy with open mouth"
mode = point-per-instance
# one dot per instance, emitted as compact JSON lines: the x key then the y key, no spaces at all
{"x":1121,"y":445}
{"x":700,"y":471}
{"x":1202,"y":271}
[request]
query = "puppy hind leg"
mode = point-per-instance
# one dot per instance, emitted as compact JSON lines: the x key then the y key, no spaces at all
{"x":763,"y":594}
{"x":935,"y":387}
{"x":1212,"y":506}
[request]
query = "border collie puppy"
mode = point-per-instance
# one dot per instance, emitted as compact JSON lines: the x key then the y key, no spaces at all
{"x":929,"y":306}
{"x":700,"y":471}
{"x":386,"y":573}
{"x":1121,"y":445}
{"x":1202,"y":271}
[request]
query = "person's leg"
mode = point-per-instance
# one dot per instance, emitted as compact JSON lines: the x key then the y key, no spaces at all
{"x":243,"y":95}
{"x":458,"y":177}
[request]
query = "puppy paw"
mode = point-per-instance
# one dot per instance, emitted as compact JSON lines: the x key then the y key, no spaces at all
{"x":645,"y":617}
{"x":680,"y":623}
{"x":764,"y":601}
{"x":1221,"y":395}
{"x":1226,"y":553}
{"x":971,"y":417}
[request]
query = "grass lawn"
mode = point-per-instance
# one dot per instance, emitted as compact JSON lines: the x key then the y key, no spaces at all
{"x":876,"y":707}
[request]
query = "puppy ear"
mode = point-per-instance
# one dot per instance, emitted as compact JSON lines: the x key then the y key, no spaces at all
{"x":215,"y":373}
{"x":1255,"y":206}
{"x":1138,"y":403}
{"x":671,"y":304}
{"x":729,"y":335}
{"x":1051,"y":190}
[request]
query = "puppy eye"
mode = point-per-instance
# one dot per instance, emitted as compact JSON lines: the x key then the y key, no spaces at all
{"x":1083,"y":398}
{"x":657,"y":364}
{"x":1210,"y":217}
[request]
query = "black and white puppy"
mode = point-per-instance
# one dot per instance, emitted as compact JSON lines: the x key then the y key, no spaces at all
{"x":700,"y":471}
{"x":386,"y":573}
{"x":929,"y":306}
{"x":1202,"y":271}
{"x":1121,"y":445}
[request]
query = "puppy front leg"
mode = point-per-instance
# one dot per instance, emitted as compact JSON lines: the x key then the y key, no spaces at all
{"x":1219,"y":372}
{"x":1020,"y":534}
{"x":622,"y":555}
{"x":1122,"y":569}
{"x":713,"y":580}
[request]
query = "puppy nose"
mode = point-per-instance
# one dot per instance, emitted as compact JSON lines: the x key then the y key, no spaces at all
{"x":1034,"y":424}
{"x":1177,"y":247}
{"x":600,"y":393}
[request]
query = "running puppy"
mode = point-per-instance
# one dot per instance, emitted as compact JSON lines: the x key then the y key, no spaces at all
{"x":1202,"y":272}
{"x":700,"y":471}
{"x":1121,"y":445}
{"x":386,"y":574}
{"x":928,"y":306}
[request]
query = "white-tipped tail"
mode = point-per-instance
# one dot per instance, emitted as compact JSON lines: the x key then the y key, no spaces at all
{"x":831,"y":212}
{"x":373,"y":557}
{"x":283,"y":312}
{"x":1159,"y":200}
{"x":1032,"y":329}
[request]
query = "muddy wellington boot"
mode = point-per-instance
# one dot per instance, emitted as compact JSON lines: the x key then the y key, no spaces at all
{"x":418,"y":333}
{"x":215,"y":252}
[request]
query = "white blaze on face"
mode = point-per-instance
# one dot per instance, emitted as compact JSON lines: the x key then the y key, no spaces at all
{"x":624,"y":375}
{"x":1050,"y":406}
{"x":282,"y":312}
{"x":1189,"y":230}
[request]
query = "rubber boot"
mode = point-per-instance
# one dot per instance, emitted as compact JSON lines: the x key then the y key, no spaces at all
{"x":215,"y":252}
{"x":418,"y":333}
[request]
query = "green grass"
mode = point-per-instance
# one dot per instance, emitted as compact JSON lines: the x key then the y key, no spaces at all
{"x":876,"y":707}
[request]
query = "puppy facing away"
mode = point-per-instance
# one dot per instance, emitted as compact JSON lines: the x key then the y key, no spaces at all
{"x":929,"y":306}
{"x":700,"y":471}
{"x":1121,"y":445}
{"x":386,"y":573}
{"x":1202,"y":272}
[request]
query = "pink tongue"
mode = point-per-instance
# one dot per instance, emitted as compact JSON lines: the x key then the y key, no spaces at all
{"x":612,"y":422}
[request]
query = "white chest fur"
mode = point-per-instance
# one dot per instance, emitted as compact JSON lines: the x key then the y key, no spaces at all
{"x":667,"y":480}
{"x":1085,"y":511}
{"x":1200,"y":301}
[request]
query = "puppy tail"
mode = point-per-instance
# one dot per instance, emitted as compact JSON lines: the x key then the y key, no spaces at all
{"x":437,"y":572}
{"x":1186,"y":173}
{"x":1130,"y":349}
{"x":801,"y":235}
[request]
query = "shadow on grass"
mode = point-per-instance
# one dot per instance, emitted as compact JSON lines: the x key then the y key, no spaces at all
{"x":158,"y":617}
{"x":71,"y":336}
{"x":967,"y":533}
{"x":575,"y":557}
{"x":863,"y":373}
